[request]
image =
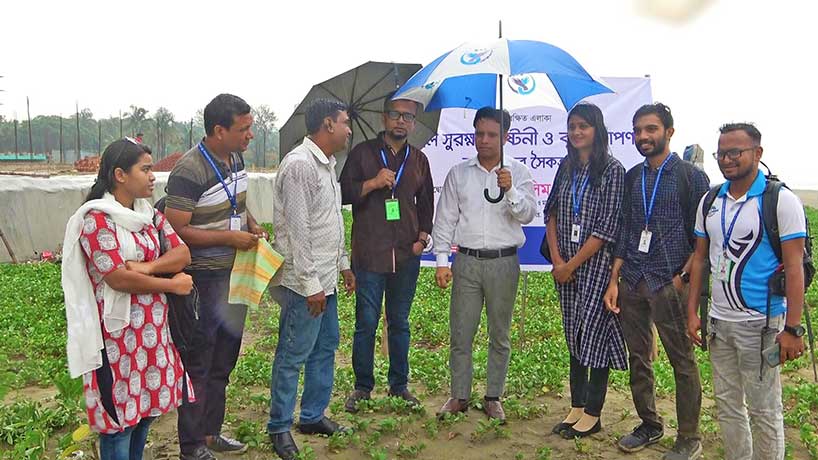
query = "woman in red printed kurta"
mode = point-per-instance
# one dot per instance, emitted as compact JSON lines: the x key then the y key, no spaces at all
{"x":141,"y":376}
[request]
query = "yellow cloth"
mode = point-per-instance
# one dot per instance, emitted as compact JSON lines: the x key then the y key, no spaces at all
{"x":252,"y":271}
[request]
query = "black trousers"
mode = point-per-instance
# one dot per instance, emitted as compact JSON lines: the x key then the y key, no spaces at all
{"x":588,"y":391}
{"x":209,"y":359}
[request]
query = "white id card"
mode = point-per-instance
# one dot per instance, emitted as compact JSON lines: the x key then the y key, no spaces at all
{"x":722,"y":268}
{"x":235,"y":222}
{"x":575,"y":233}
{"x":644,"y":241}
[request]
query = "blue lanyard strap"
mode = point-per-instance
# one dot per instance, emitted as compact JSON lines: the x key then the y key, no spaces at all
{"x":726,"y":233}
{"x":649,"y":208}
{"x":400,"y":170}
{"x":232,"y":197}
{"x":576,"y":200}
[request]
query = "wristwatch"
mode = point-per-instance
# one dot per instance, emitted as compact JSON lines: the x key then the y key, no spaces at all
{"x":797,"y":330}
{"x":684,"y":276}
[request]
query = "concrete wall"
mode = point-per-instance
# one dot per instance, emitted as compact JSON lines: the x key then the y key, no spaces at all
{"x":34,"y":211}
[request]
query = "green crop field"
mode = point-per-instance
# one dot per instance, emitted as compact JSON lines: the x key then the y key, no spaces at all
{"x":41,"y":407}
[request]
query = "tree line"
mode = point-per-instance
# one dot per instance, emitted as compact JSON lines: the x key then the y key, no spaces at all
{"x":57,"y":135}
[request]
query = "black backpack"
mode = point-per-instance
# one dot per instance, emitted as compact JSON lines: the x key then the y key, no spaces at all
{"x":769,"y":214}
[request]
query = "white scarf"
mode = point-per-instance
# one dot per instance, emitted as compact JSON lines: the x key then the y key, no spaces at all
{"x":81,"y":311}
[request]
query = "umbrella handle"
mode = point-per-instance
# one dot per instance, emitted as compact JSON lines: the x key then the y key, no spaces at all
{"x":493,"y":200}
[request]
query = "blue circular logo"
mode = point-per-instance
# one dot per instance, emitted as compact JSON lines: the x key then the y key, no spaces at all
{"x":475,"y":56}
{"x":522,"y":84}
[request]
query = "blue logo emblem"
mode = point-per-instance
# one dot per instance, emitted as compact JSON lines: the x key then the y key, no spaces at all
{"x":475,"y":56}
{"x":522,"y":84}
{"x":430,"y":86}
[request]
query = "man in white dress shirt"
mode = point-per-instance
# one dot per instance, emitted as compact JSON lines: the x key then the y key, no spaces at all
{"x":486,"y":268}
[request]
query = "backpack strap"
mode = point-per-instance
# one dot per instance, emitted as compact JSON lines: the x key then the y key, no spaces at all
{"x":709,"y":199}
{"x":683,"y":172}
{"x":630,"y":180}
{"x":769,"y":214}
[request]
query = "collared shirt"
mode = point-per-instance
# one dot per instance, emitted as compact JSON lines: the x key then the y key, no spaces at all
{"x":669,"y":246}
{"x":743,"y":296}
{"x":309,"y":227}
{"x":465,"y":218}
{"x":194,"y":187}
{"x":379,"y":245}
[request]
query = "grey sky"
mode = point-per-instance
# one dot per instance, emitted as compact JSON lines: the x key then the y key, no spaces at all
{"x":736,"y":61}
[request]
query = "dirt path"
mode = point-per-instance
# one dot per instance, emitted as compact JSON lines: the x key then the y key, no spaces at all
{"x":519,"y":439}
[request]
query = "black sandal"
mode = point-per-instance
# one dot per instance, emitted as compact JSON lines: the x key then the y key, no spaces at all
{"x":560,"y":427}
{"x":571,"y":433}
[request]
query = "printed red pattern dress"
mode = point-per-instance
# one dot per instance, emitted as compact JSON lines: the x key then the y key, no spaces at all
{"x":147,"y":373}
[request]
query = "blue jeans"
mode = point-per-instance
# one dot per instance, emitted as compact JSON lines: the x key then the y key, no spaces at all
{"x":369,"y":293}
{"x":305,"y":341}
{"x":127,"y":444}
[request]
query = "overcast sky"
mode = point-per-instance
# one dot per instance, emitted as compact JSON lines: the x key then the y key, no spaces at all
{"x":737,"y":60}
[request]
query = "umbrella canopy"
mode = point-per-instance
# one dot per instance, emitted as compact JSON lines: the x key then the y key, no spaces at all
{"x":363,"y":89}
{"x":535,"y":74}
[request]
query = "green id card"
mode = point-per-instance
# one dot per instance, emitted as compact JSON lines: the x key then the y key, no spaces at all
{"x":392,"y":209}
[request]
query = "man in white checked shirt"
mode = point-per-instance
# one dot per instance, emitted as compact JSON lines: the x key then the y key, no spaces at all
{"x":486,"y":267}
{"x":309,"y":230}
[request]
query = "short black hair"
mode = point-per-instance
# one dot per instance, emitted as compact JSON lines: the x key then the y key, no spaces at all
{"x":221,"y":111}
{"x":387,"y":102}
{"x":501,"y":117}
{"x":320,"y":109}
{"x":657,"y":108}
{"x":748,"y":128}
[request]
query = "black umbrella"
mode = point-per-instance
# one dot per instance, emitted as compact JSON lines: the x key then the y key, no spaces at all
{"x":363,"y":89}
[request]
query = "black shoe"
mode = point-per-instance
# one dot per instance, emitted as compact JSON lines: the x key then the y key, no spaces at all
{"x":223,"y":444}
{"x":641,"y":437}
{"x":284,"y":445}
{"x":407,"y":396}
{"x":351,"y":403}
{"x":571,"y":433}
{"x":201,"y":453}
{"x":684,"y":449}
{"x":324,"y":426}
{"x":560,"y":427}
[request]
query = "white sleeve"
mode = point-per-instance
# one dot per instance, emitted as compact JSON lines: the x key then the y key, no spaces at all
{"x":520,"y":198}
{"x":791,"y":220}
{"x":699,"y":229}
{"x":446,"y":218}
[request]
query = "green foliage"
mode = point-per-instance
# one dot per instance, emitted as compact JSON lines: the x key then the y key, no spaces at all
{"x":32,"y":352}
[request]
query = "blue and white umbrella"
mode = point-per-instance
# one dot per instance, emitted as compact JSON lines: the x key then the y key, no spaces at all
{"x":534,"y":74}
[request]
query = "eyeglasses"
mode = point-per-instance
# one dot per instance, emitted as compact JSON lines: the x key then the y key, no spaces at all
{"x":394,"y":115}
{"x":731,"y":154}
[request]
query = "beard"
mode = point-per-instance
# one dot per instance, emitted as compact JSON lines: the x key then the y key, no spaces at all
{"x":739,"y":173}
{"x":655,"y":149}
{"x":398,"y":135}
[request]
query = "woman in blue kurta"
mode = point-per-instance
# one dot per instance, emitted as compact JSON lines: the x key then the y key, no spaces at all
{"x":582,"y":221}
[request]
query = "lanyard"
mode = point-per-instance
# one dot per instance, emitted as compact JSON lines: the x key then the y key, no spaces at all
{"x":649,"y":209}
{"x":232,"y":197}
{"x":400,"y":170}
{"x":577,"y":200}
{"x":727,"y":233}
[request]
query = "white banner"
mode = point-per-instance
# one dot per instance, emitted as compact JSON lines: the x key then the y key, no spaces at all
{"x":537,"y":138}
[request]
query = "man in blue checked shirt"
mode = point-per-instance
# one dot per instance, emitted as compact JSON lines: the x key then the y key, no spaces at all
{"x":649,"y":279}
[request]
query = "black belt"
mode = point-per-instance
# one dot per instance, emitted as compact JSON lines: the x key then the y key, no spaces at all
{"x":488,"y":253}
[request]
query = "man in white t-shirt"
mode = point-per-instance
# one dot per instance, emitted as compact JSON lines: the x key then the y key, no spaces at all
{"x":742,"y":261}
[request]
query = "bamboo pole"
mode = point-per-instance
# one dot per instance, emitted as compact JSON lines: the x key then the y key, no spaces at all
{"x":30,"y":137}
{"x":62,"y":157}
{"x":79,"y":141}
